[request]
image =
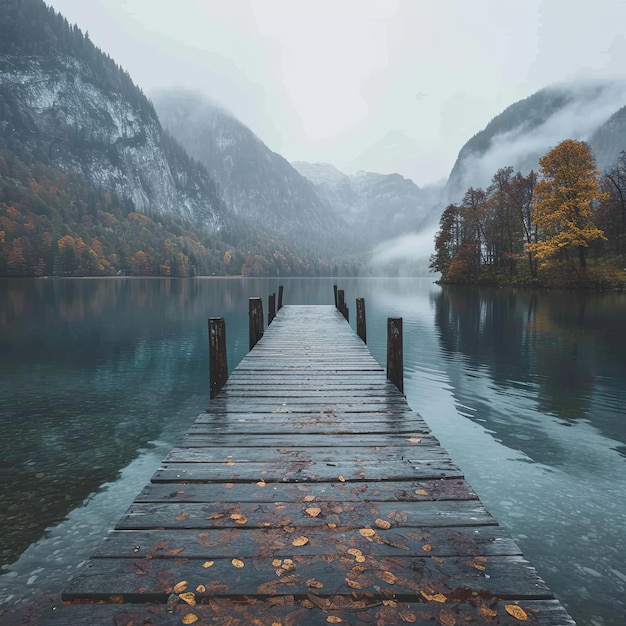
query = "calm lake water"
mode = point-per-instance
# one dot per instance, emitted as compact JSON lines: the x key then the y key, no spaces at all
{"x":100,"y":377}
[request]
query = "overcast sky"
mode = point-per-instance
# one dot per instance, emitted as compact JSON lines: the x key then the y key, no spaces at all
{"x":382,"y":85}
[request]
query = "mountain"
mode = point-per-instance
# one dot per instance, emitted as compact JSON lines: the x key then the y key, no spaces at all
{"x":260,"y":186}
{"x":65,"y":103}
{"x":377,"y":207}
{"x":526,"y":130}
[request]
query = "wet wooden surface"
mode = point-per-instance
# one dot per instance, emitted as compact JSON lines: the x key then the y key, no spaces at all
{"x":308,"y":493}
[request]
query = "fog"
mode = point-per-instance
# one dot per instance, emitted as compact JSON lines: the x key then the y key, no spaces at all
{"x":407,"y":255}
{"x":592,"y":104}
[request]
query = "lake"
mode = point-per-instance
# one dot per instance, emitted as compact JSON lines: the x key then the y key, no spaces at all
{"x":100,"y":377}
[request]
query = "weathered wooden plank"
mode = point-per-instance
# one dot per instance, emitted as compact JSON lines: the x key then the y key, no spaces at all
{"x":390,"y":491}
{"x":249,"y":543}
{"x":313,"y":611}
{"x":281,"y":515}
{"x":277,"y":425}
{"x":402,"y":577}
{"x":306,"y":471}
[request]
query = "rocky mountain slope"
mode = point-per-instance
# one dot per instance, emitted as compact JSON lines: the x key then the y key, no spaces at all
{"x":260,"y":186}
{"x":589,"y":111}
{"x":64,"y":102}
{"x":377,"y":207}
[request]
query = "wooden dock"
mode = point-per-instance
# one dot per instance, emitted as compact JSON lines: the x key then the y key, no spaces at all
{"x":309,"y":493}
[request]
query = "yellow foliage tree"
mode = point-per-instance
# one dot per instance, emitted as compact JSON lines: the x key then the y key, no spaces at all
{"x":564,"y":200}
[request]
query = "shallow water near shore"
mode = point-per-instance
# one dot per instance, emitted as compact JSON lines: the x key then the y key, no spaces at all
{"x":100,"y":377}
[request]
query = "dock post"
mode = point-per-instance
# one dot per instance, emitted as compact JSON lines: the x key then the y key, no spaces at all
{"x":335,"y":290}
{"x":218,"y":365}
{"x":271,"y":313}
{"x":280,"y":297}
{"x":255,"y":319}
{"x":341,"y":303}
{"x":395,"y":362}
{"x":361,"y":328}
{"x":346,"y":312}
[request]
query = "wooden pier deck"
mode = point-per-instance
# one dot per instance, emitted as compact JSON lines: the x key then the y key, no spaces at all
{"x":308,"y":493}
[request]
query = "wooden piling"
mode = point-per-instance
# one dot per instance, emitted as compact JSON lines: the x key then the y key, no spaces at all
{"x":335,"y":290}
{"x":361,"y":328}
{"x":280,"y":297}
{"x":255,"y":319}
{"x":395,"y":359}
{"x":341,"y":305}
{"x":271,"y":313}
{"x":218,"y":365}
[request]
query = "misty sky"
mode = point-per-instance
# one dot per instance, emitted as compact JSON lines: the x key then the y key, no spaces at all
{"x":381,"y":85}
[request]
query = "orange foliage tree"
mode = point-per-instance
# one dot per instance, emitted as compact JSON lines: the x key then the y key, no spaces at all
{"x":564,"y":203}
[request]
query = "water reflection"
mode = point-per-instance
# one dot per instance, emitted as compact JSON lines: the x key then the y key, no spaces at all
{"x":564,"y":351}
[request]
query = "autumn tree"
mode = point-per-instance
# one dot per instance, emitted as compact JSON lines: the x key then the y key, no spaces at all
{"x":564,"y":202}
{"x":447,"y":240}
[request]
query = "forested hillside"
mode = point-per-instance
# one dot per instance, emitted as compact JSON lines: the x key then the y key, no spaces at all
{"x":562,"y":226}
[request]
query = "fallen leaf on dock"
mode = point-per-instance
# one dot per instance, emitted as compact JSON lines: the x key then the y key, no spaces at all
{"x":188,"y":597}
{"x":208,"y":564}
{"x":237,"y":563}
{"x":414,"y":440}
{"x":381,"y":523}
{"x":181,"y":586}
{"x":190,"y":618}
{"x":300,"y":541}
{"x":239,"y":518}
{"x":516,"y":611}
{"x":313,"y":511}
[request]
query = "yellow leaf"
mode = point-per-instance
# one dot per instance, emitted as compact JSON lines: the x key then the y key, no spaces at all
{"x":478,"y":566}
{"x":388,"y":577}
{"x":261,"y":483}
{"x":367,"y":532}
{"x":228,"y":485}
{"x":427,"y":547}
{"x":516,"y":611}
{"x":313,"y":511}
{"x":300,"y":541}
{"x":239,"y":518}
{"x":181,"y":586}
{"x":484,"y":610}
{"x":208,"y":564}
{"x":309,"y":498}
{"x":355,"y":552}
{"x":389,"y":603}
{"x":342,"y":479}
{"x":331,"y":525}
{"x":333,"y":619}
{"x":381,"y":523}
{"x":188,"y":597}
{"x":439,"y":597}
{"x":230,"y":463}
{"x":237,"y":563}
{"x":190,"y":618}
{"x":311,"y":582}
{"x":421,"y":492}
{"x":200,"y":589}
{"x":277,"y":562}
{"x":355,"y":584}
{"x":414,"y":440}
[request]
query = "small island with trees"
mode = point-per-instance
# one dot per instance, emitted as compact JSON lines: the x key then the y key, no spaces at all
{"x":564,"y":227}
